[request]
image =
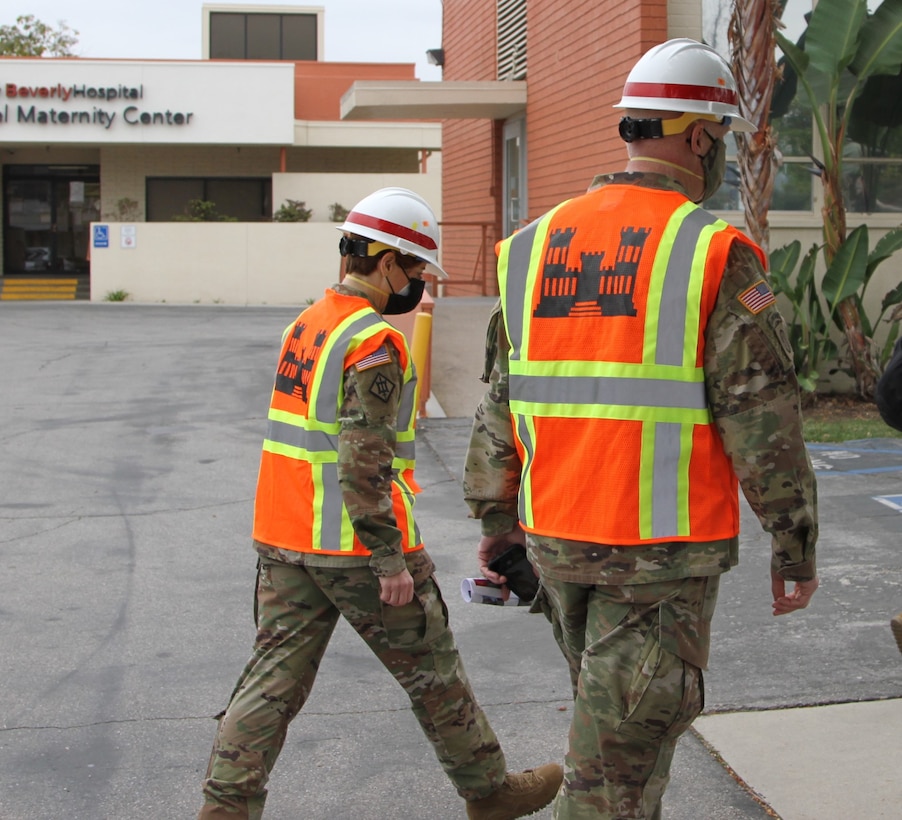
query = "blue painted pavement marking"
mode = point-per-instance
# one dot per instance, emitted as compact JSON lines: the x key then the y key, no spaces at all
{"x":855,"y":458}
{"x":894,"y":502}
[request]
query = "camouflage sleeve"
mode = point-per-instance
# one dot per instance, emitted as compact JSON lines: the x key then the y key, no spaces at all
{"x":492,"y":467}
{"x":754,"y":397}
{"x":366,"y":448}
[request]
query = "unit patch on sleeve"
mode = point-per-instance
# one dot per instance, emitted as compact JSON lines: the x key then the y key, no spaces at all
{"x":382,"y":388}
{"x":377,"y":357}
{"x":757,"y":297}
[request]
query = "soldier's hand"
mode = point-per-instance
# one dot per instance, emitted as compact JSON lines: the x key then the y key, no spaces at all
{"x":396,"y":590}
{"x":799,"y":598}
{"x":491,"y":546}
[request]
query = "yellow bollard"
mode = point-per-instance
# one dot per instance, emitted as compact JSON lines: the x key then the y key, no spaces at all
{"x":420,"y":350}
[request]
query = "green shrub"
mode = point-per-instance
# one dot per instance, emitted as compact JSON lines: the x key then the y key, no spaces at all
{"x":337,"y":212}
{"x":201,"y":210}
{"x":293,"y":210}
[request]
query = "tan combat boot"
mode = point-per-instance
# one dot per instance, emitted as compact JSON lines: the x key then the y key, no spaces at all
{"x":520,"y":794}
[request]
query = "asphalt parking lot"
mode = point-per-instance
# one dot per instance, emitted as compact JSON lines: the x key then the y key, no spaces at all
{"x":130,"y":440}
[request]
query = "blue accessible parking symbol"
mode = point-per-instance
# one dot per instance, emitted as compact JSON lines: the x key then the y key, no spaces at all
{"x":101,"y":236}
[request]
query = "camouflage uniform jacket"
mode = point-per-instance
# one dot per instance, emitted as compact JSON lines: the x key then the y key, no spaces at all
{"x":753,"y":395}
{"x":366,"y":447}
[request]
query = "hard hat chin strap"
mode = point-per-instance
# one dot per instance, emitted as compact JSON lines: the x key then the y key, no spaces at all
{"x":358,"y":246}
{"x":632,"y":129}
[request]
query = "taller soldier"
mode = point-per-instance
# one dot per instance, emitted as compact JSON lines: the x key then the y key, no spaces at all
{"x":639,"y":371}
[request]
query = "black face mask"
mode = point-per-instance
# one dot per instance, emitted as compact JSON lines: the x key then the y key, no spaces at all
{"x":406,"y":299}
{"x":714,"y":166}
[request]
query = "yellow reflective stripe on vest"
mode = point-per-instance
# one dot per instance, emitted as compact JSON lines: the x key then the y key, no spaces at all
{"x":525,"y":429}
{"x":666,"y":392}
{"x":408,"y":497}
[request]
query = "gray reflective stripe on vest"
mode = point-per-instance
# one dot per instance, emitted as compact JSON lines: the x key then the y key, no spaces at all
{"x":318,"y":441}
{"x":311,"y":441}
{"x":665,"y":499}
{"x":671,"y":328}
{"x":607,"y":391}
{"x":332,"y":511}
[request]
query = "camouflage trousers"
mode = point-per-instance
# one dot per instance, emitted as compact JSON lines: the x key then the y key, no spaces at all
{"x":297,"y":608}
{"x":635,"y":654}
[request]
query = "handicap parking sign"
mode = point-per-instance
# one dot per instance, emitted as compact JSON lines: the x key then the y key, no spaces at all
{"x":101,"y":236}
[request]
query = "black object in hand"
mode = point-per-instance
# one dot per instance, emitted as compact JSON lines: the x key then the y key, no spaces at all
{"x":514,"y":565}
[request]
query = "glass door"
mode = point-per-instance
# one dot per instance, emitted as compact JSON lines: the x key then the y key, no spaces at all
{"x":514,"y":170}
{"x":48,"y":214}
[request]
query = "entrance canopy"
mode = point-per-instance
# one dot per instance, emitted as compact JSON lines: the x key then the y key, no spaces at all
{"x":406,"y":99}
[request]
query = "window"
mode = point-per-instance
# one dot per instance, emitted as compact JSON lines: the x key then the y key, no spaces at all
{"x":247,"y":199}
{"x":873,"y":164}
{"x":252,"y":36}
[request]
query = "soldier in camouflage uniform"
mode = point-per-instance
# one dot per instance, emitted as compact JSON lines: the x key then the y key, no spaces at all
{"x":633,"y":618}
{"x":352,"y":549}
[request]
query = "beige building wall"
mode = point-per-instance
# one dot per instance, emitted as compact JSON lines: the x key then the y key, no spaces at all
{"x":320,"y":191}
{"x":684,"y":19}
{"x":229,"y":263}
{"x":124,"y":170}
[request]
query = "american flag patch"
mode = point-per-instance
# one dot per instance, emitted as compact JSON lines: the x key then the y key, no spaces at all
{"x":377,"y":357}
{"x":757,"y":297}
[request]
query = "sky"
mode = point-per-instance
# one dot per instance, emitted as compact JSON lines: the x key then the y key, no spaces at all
{"x":389,"y":31}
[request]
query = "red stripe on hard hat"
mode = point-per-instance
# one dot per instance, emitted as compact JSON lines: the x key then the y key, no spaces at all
{"x":670,"y":91}
{"x":393,"y":228}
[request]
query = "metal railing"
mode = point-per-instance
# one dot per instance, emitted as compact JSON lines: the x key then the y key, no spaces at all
{"x":482,"y":274}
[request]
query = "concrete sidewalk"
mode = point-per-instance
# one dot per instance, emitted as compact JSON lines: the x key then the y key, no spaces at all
{"x":131,"y":440}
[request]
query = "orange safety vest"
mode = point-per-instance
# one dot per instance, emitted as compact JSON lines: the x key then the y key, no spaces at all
{"x":606,"y":299}
{"x":298,"y":505}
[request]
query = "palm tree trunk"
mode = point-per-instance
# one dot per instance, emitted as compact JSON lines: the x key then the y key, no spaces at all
{"x":752,"y":43}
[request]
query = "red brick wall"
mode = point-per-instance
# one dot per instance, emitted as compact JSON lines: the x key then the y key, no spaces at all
{"x":470,"y":155}
{"x":579,"y":54}
{"x":318,"y":87}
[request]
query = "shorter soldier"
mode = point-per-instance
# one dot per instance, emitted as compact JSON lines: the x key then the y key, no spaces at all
{"x":638,"y":372}
{"x":334,"y":529}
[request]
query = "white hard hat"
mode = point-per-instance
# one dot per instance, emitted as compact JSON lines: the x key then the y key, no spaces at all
{"x":400,"y":219}
{"x":687,"y":76}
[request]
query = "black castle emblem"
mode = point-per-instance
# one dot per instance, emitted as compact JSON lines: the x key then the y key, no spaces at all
{"x":590,"y":289}
{"x":296,"y":367}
